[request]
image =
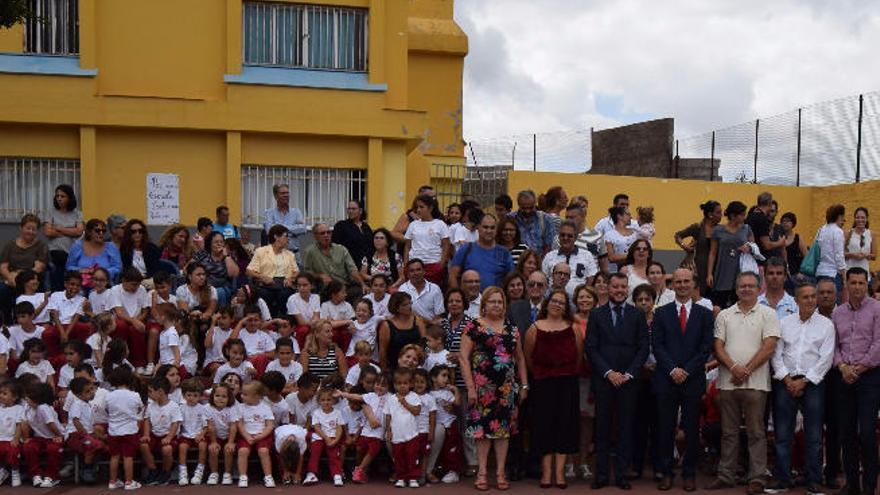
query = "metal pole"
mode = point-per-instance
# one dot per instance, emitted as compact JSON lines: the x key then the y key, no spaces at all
{"x":534,"y":152}
{"x":798,"y":164}
{"x":712,"y":160}
{"x":859,"y":142}
{"x":513,"y":156}
{"x":755,"y":176}
{"x":473,"y":156}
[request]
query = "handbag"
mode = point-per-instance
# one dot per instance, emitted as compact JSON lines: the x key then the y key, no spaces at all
{"x":811,"y":260}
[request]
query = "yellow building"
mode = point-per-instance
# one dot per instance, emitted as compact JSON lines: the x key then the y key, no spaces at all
{"x":337,"y":98}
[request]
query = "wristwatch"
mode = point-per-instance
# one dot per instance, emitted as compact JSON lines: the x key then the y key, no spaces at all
{"x":524,"y":387}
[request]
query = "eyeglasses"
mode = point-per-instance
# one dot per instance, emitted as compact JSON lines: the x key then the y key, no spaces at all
{"x":557,"y":302}
{"x":567,"y":274}
{"x":536,"y":284}
{"x":641,"y":248}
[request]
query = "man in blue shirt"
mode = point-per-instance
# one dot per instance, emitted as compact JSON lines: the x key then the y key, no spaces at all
{"x":536,"y":229}
{"x":222,"y":225}
{"x":283,"y":214}
{"x":491,"y":261}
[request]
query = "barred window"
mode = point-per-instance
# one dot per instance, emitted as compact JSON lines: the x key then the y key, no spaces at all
{"x":27,"y":185}
{"x":320,"y":193}
{"x":53,"y":29}
{"x":307,"y":36}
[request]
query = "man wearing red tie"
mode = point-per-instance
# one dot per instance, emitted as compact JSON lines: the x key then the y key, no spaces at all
{"x":682,"y":342}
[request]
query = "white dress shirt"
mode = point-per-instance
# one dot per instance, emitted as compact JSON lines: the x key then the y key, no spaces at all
{"x":429,"y":303}
{"x":805,"y":348}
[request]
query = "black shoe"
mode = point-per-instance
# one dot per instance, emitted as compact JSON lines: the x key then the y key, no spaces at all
{"x":598,"y":484}
{"x":150,"y":480}
{"x":624,"y":485}
{"x":775,"y":486}
{"x":163,"y":478}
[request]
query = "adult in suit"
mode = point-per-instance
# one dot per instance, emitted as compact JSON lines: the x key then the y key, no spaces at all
{"x":682,"y":342}
{"x":617,"y":347}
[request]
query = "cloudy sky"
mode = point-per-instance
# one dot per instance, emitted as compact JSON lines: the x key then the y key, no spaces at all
{"x":551,"y":65}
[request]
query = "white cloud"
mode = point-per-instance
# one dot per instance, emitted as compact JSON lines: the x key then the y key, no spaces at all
{"x":549,"y":65}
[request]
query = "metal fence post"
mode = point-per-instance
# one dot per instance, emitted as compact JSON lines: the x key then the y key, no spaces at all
{"x":755,"y":174}
{"x":712,"y":160}
{"x":859,"y":142}
{"x":534,"y":152}
{"x":797,"y":181}
{"x":473,"y":156}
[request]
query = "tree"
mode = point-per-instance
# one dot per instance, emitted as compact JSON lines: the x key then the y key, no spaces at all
{"x":13,"y":12}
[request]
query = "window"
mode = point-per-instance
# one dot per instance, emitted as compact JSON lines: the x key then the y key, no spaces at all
{"x":320,"y":193}
{"x":307,"y":36}
{"x":27,"y":185}
{"x":54,"y":27}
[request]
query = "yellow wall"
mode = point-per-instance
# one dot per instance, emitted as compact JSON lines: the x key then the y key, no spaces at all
{"x":11,"y":40}
{"x":676,"y":202}
{"x":52,"y":142}
{"x":304,"y":151}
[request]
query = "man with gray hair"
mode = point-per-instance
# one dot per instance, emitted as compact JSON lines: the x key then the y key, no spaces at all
{"x":470,"y":285}
{"x":535,"y":229}
{"x":284,"y":214}
{"x":116,"y":228}
{"x":329,"y":261}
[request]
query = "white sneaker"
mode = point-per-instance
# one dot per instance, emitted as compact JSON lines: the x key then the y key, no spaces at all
{"x":150,"y":370}
{"x":400,"y":484}
{"x":16,"y":478}
{"x":414,"y":483}
{"x":3,"y":475}
{"x":37,"y":481}
{"x":243,"y":481}
{"x":227,"y":479}
{"x":140,"y":370}
{"x":450,"y":477}
{"x":337,"y":480}
{"x":585,"y":472}
{"x":182,"y":477}
{"x":310,"y":479}
{"x":197,"y":476}
{"x":269,"y":481}
{"x":113,"y":485}
{"x":49,"y":483}
{"x":213,"y":478}
{"x":66,"y":470}
{"x":131,"y":485}
{"x":569,"y":471}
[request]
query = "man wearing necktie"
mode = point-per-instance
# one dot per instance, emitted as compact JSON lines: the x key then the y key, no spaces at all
{"x":682,"y":343}
{"x":617,"y":347}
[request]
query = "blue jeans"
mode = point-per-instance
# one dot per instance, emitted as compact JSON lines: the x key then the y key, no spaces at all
{"x":785,"y":408}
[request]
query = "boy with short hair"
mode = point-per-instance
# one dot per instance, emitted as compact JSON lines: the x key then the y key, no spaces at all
{"x":193,"y":431}
{"x":161,"y":423}
{"x":65,"y":310}
{"x":81,"y":426}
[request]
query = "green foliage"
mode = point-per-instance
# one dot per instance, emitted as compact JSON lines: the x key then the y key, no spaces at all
{"x":13,"y":12}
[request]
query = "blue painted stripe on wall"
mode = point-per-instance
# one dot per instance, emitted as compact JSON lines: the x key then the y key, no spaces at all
{"x":279,"y":76}
{"x":23,"y":63}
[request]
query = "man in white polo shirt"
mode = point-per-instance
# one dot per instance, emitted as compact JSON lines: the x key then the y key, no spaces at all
{"x":582,"y":263}
{"x":427,"y":298}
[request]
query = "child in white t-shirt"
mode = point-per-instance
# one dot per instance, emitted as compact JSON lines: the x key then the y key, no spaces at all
{"x":401,"y":420}
{"x":169,"y":340}
{"x":372,"y":437}
{"x":364,"y":354}
{"x":378,"y":295}
{"x":220,"y":330}
{"x":222,"y":418}
{"x":25,"y":330}
{"x":426,"y":420}
{"x":11,"y":417}
{"x":99,"y":297}
{"x":303,"y":305}
{"x":255,"y":428}
{"x":161,"y":425}
{"x":273,"y":383}
{"x":427,"y":238}
{"x":81,"y":436}
{"x":303,"y":402}
{"x":33,"y":362}
{"x":448,"y":399}
{"x":65,"y":310}
{"x":236,"y":362}
{"x":27,"y":283}
{"x":124,"y":410}
{"x":336,"y":309}
{"x":327,"y":425}
{"x":436,"y":353}
{"x":193,"y":431}
{"x":46,"y":436}
{"x":290,"y":443}
{"x":259,"y":345}
{"x":285,"y":364}
{"x":364,"y":328}
{"x":76,"y":353}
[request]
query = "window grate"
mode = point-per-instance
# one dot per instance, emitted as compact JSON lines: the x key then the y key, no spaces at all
{"x":27,"y":185}
{"x":307,"y":36}
{"x":320,"y":193}
{"x":54,"y":27}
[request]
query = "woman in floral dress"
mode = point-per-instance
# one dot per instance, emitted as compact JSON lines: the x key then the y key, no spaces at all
{"x":491,"y":360}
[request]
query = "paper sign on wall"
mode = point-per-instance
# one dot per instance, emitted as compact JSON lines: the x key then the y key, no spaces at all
{"x":163,"y":199}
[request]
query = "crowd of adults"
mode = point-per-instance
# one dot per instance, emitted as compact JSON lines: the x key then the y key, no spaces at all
{"x":573,"y":333}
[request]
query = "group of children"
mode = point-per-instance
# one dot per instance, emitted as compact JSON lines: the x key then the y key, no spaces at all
{"x":250,"y":395}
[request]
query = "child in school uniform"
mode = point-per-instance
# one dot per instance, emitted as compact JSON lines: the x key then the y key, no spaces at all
{"x":373,"y":435}
{"x":81,"y":427}
{"x":364,"y":328}
{"x":427,"y":421}
{"x":259,"y":345}
{"x":99,"y":300}
{"x":401,"y":420}
{"x":65,"y":311}
{"x":290,"y":444}
{"x":273,"y":383}
{"x":24,"y":330}
{"x":222,"y":419}
{"x":217,"y":334}
{"x":33,"y":362}
{"x":161,"y":424}
{"x":354,"y":419}
{"x":436,"y":353}
{"x":76,"y":352}
{"x":169,"y":340}
{"x":285,"y":364}
{"x":378,"y":295}
{"x":363,"y":354}
{"x":45,"y":436}
{"x":304,"y":306}
{"x":448,"y":399}
{"x":340,"y":313}
{"x":303,"y":401}
{"x":27,"y":285}
{"x":237,"y":362}
{"x":11,"y":417}
{"x":103,"y":324}
{"x":131,"y":304}
{"x":161,"y":294}
{"x":124,"y":410}
{"x":193,"y":431}
{"x":255,"y":426}
{"x":327,"y":428}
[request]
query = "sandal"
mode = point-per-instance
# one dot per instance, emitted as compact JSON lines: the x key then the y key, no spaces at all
{"x":501,"y":482}
{"x":481,"y":483}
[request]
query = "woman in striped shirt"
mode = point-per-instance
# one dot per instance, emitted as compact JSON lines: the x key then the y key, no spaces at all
{"x":320,"y":355}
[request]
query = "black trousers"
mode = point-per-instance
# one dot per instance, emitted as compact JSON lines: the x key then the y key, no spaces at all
{"x":859,"y":404}
{"x":615,"y":414}
{"x":668,"y":405}
{"x":832,"y":424}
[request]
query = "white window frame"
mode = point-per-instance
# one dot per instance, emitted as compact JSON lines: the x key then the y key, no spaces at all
{"x":27,"y":185}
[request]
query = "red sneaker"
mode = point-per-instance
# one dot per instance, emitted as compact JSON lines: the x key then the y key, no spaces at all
{"x":359,"y":476}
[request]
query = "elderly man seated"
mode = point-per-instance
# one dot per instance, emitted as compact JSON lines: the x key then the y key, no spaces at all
{"x":329,"y":261}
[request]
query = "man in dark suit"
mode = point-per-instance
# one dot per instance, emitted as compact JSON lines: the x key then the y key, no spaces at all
{"x":617,"y":347}
{"x":682,"y":342}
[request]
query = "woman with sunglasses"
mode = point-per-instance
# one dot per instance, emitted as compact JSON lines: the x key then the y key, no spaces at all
{"x":860,"y":249}
{"x":638,"y":258}
{"x":92,"y":251}
{"x":137,"y":250}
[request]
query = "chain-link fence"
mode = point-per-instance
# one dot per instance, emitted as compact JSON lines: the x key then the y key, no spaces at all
{"x":832,"y":142}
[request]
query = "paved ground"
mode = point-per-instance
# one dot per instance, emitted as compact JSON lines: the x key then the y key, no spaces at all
{"x":377,"y":487}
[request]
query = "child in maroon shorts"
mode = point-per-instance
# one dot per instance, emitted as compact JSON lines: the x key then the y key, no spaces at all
{"x":255,"y":426}
{"x":161,"y":424}
{"x":11,"y":416}
{"x":401,"y":423}
{"x":427,"y":420}
{"x":81,"y":426}
{"x":193,"y":431}
{"x":45,"y":435}
{"x":327,"y":424}
{"x":124,"y":410}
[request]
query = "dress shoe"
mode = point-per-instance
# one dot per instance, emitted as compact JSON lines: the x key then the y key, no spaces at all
{"x":665,"y":483}
{"x":719,"y":484}
{"x":755,"y":488}
{"x":689,"y":485}
{"x":624,"y":485}
{"x":598,"y":484}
